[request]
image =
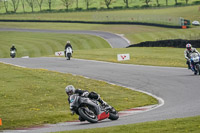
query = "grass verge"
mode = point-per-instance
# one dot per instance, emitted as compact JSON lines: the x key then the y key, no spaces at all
{"x":181,"y":125}
{"x":134,"y":33}
{"x":45,"y":44}
{"x":154,"y":56}
{"x":30,"y":97}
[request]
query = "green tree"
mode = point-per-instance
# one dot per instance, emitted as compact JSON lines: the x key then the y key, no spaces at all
{"x":77,"y":4}
{"x":176,"y":2}
{"x":186,"y":1}
{"x":126,"y":2}
{"x":5,"y":2}
{"x":67,"y":3}
{"x":31,"y":3}
{"x":147,"y":2}
{"x":157,"y":1}
{"x":88,"y":3}
{"x":166,"y":2}
{"x":15,"y":4}
{"x":108,"y":2}
{"x":23,"y":4}
{"x":40,"y":2}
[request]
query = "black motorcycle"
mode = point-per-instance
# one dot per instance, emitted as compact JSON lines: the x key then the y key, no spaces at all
{"x":90,"y":109}
{"x":12,"y":53}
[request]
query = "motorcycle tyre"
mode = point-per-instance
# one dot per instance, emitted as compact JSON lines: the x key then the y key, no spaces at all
{"x":12,"y":55}
{"x":113,"y":115}
{"x":198,"y":68}
{"x":68,"y":56}
{"x":84,"y":116}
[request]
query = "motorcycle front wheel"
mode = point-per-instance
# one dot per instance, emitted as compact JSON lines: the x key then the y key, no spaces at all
{"x":113,"y":114}
{"x":88,"y":114}
{"x":198,"y":68}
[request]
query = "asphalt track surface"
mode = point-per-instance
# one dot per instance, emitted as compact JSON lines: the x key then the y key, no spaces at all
{"x":178,"y":87}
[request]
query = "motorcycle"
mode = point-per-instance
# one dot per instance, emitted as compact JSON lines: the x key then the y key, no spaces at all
{"x":90,"y":109}
{"x":68,"y":52}
{"x":195,"y":63}
{"x":12,"y":53}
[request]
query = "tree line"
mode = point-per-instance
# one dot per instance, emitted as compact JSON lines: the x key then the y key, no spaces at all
{"x":14,"y":4}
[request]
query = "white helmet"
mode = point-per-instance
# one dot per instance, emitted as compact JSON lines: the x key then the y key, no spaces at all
{"x":70,"y":90}
{"x":68,"y":42}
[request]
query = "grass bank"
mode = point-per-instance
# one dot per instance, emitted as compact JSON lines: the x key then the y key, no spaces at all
{"x":181,"y":125}
{"x":168,"y":16}
{"x":134,"y":33}
{"x":36,"y":96}
{"x":155,"y":56}
{"x":45,"y":44}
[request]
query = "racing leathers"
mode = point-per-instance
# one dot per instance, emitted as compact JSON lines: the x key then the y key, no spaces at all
{"x":68,"y":45}
{"x":91,"y":95}
{"x":187,"y":55}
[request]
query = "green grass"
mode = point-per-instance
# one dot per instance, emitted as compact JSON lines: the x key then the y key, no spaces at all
{"x":181,"y":125}
{"x":155,"y":56}
{"x":30,"y":97}
{"x":162,"y":16}
{"x":45,"y":44}
{"x":134,"y":33}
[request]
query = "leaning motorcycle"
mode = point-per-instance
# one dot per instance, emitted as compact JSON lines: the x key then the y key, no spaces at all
{"x":68,"y":51}
{"x":195,"y":63}
{"x":90,"y":109}
{"x":12,"y":53}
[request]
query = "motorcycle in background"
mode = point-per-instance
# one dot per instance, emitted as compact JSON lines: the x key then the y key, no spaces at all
{"x":68,"y":51}
{"x":12,"y":53}
{"x":195,"y":63}
{"x":90,"y":109}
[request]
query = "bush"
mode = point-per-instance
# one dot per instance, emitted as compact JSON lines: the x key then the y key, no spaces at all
{"x":178,"y":43}
{"x":78,"y":9}
{"x":196,"y":2}
{"x":94,"y":8}
{"x":118,"y":7}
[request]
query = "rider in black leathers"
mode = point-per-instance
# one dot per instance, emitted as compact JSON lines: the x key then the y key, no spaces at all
{"x":68,"y":45}
{"x":70,"y":90}
{"x":13,"y":48}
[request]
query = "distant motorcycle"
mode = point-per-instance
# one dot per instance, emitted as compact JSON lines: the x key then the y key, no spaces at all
{"x":12,"y":53}
{"x":68,"y":51}
{"x":195,"y":63}
{"x":90,"y":110}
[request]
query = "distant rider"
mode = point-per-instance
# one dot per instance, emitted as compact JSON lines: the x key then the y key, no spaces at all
{"x":187,"y":52}
{"x":13,"y":48}
{"x":70,"y":90}
{"x":68,"y":44}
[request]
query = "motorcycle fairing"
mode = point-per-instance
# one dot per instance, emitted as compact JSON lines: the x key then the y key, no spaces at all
{"x":103,"y":115}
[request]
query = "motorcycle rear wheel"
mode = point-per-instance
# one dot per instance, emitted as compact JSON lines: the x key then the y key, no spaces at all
{"x":91,"y":117}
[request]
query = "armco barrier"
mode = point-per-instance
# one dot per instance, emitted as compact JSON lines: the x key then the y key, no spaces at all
{"x":92,"y":22}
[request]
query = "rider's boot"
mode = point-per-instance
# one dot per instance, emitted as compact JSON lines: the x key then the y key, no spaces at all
{"x":81,"y":119}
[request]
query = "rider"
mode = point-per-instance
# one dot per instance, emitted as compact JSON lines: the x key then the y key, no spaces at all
{"x":187,"y":52}
{"x":13,"y":48}
{"x":70,"y":90}
{"x":68,"y":45}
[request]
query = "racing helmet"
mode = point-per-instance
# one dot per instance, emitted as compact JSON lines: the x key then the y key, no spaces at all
{"x":70,"y":90}
{"x":188,"y":46}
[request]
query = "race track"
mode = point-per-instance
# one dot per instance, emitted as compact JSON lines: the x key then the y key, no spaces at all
{"x":178,"y":87}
